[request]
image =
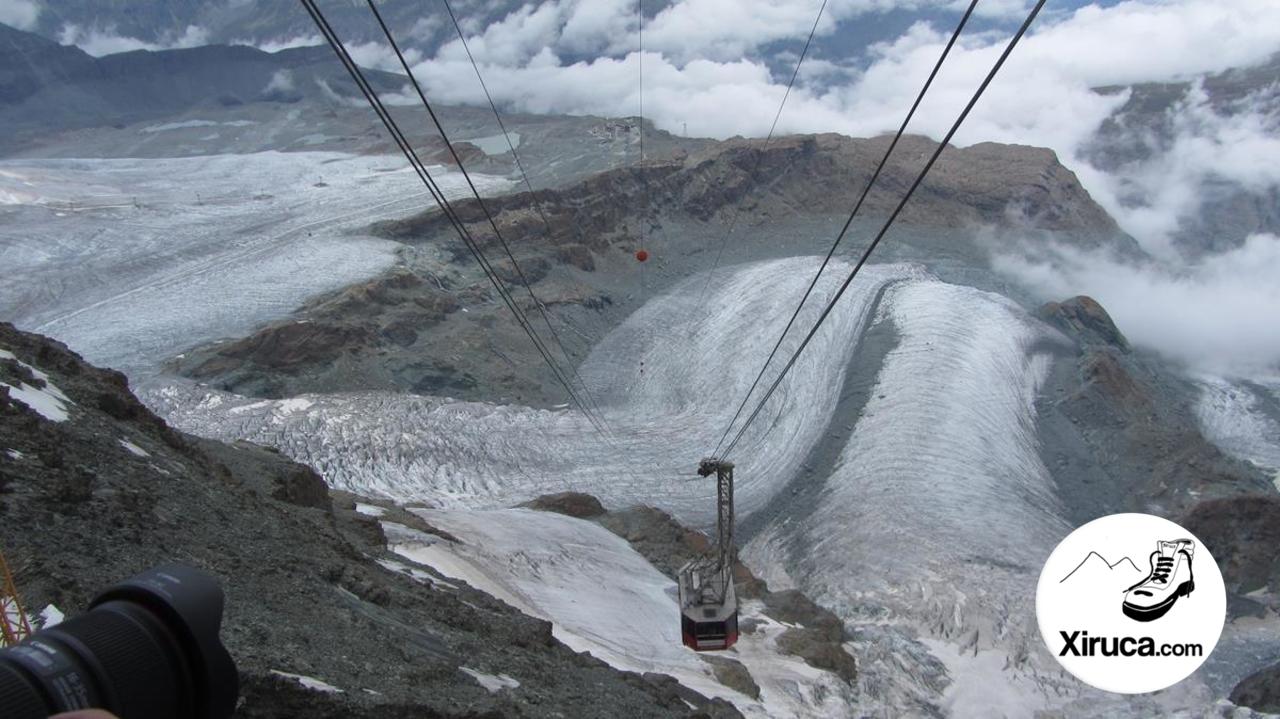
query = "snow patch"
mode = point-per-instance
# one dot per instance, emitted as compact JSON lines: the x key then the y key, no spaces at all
{"x":51,"y":616}
{"x":296,"y":404}
{"x":176,"y":281}
{"x":43,"y":401}
{"x":493,"y":683}
{"x":167,"y":126}
{"x":14,"y":454}
{"x":416,"y":574}
{"x":49,"y":401}
{"x":370,"y":510}
{"x":185,"y":124}
{"x":309,"y":682}
{"x":493,"y":145}
{"x":134,"y":449}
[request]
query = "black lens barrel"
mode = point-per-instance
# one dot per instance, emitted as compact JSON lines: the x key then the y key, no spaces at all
{"x":147,"y":649}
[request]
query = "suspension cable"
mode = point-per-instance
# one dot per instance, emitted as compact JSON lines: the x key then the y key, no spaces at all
{"x":555,"y":336}
{"x":888,"y":223}
{"x":755,"y":168}
{"x":436,"y":193}
{"x":849,"y":222}
{"x":524,"y":175}
{"x":644,"y":179}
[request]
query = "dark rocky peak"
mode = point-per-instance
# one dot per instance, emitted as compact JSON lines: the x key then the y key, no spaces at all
{"x":29,"y":62}
{"x":1084,"y":319}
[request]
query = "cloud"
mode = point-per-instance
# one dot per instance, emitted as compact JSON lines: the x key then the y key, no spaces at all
{"x":380,"y":56}
{"x":281,"y":83}
{"x":99,"y":41}
{"x":703,"y":66}
{"x":1216,"y":315}
{"x":21,"y":14}
{"x":287,"y":43}
{"x":1153,"y":197}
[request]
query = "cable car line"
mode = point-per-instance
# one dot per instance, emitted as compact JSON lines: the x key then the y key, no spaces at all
{"x":644,"y":179}
{"x":888,"y":223}
{"x":849,"y":222}
{"x":537,"y":205}
{"x":733,"y":220}
{"x":419,"y":168}
{"x":555,"y":336}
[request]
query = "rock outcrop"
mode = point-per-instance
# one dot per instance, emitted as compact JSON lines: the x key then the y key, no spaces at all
{"x":95,"y":488}
{"x":1122,"y":432}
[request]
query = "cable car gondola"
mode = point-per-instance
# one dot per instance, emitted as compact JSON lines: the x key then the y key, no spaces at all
{"x":708,"y":602}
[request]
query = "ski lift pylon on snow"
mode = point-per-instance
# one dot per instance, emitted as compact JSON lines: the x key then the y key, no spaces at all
{"x":708,"y":602}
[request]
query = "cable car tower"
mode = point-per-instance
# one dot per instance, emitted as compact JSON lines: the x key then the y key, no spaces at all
{"x":14,"y":626}
{"x":708,"y":603}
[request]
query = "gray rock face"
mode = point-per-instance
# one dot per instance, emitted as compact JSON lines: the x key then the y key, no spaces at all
{"x":1260,"y":692}
{"x":573,"y":504}
{"x":1118,"y":429}
{"x":1085,"y":319}
{"x":731,"y":673}
{"x":1242,"y":533}
{"x":80,"y":509}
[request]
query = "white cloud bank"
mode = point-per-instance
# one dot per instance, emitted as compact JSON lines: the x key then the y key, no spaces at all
{"x":1217,"y":315}
{"x":99,"y":41}
{"x":21,"y":14}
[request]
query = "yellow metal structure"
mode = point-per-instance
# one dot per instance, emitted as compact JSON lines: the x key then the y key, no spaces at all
{"x":14,"y":626}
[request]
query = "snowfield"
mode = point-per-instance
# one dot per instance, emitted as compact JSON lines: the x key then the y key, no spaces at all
{"x":132,"y":261}
{"x":604,"y":598}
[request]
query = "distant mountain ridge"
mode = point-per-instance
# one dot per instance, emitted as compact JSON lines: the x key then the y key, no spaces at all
{"x":48,"y":88}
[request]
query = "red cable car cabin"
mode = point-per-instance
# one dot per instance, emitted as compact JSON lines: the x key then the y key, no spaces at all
{"x":708,"y":602}
{"x":708,"y":607}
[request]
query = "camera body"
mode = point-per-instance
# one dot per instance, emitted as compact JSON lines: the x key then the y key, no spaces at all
{"x":148,"y":648}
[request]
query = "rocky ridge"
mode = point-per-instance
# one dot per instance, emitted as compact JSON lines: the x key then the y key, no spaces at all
{"x":94,"y":488}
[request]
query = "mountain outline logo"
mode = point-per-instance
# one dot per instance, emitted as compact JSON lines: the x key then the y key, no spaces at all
{"x":1110,"y":565}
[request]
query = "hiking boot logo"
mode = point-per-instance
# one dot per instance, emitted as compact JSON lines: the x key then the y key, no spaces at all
{"x":1171,"y":577}
{"x":1124,"y":618}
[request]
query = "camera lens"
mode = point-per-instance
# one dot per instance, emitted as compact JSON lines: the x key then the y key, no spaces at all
{"x":147,"y":648}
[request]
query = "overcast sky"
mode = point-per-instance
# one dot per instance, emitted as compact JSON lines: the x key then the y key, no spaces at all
{"x":719,"y":68}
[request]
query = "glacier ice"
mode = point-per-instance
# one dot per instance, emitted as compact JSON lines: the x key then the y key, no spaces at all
{"x":471,"y":454}
{"x":130,"y":261}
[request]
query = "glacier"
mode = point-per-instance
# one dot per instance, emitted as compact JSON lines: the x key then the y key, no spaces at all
{"x":130,"y":261}
{"x":926,"y":536}
{"x":1243,"y":419}
{"x":467,"y":454}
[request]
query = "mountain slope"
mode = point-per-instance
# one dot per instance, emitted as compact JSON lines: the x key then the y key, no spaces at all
{"x":93,"y":488}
